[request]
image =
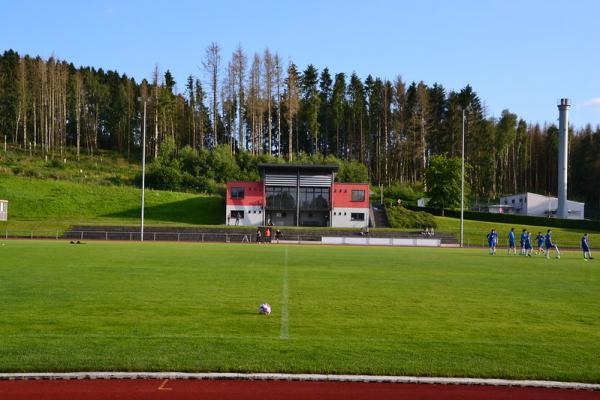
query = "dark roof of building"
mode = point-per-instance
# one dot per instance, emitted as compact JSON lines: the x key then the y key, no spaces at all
{"x":298,"y":167}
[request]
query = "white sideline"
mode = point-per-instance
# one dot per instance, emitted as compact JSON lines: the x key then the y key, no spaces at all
{"x":299,"y":377}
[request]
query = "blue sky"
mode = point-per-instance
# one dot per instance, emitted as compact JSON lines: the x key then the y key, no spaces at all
{"x":521,"y":55}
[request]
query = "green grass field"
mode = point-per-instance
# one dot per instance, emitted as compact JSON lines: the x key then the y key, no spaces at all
{"x":401,"y":311}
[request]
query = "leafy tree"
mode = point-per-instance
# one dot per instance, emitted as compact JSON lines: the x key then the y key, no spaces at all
{"x":352,"y":172}
{"x":222,"y":163}
{"x":443,"y":178}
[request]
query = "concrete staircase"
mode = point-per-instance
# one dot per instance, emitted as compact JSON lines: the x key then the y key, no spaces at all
{"x":378,"y":217}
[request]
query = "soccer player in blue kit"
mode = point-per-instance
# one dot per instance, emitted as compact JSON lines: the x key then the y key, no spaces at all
{"x":528,"y":246}
{"x":492,"y":238}
{"x":585,"y":247}
{"x":550,"y":245}
{"x":540,"y":243}
{"x":511,"y":242}
{"x":522,"y":241}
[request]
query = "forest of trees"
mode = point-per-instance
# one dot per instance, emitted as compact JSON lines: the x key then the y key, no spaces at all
{"x":260,"y":105}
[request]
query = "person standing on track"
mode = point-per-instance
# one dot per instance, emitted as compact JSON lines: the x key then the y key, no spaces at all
{"x":511,"y":242}
{"x":258,"y":235}
{"x":550,"y":245}
{"x":585,"y":246}
{"x":268,"y":235}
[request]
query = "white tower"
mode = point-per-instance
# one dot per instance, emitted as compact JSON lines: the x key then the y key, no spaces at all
{"x":563,"y":157}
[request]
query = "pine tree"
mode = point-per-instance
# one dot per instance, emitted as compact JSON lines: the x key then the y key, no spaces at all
{"x":338,"y":110}
{"x":324,"y":116}
{"x":311,"y":103}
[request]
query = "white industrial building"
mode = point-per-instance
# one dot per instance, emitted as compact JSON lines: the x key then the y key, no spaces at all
{"x":536,"y":205}
{"x":3,"y":210}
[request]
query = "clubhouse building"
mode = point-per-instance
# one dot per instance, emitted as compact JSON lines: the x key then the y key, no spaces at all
{"x":298,"y":195}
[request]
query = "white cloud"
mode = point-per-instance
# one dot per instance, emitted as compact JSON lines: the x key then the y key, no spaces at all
{"x":593,"y":103}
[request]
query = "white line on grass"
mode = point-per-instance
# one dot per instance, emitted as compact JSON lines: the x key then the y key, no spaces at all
{"x":303,"y":377}
{"x":284,"y":331}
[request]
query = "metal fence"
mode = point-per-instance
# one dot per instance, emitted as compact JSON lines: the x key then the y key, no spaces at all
{"x":200,"y":237}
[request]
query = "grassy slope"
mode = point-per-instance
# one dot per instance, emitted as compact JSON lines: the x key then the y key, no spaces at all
{"x":56,"y":205}
{"x":105,"y":167}
{"x":160,"y":306}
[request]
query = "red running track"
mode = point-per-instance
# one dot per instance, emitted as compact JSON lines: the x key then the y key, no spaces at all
{"x":269,"y":390}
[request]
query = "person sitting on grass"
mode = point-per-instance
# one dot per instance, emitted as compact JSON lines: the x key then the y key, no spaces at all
{"x":585,"y":246}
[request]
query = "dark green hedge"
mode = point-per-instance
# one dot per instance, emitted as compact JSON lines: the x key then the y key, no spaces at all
{"x":400,"y":217}
{"x":586,"y":225}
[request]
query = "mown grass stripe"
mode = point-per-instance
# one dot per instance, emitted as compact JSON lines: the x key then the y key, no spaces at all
{"x":284,"y":331}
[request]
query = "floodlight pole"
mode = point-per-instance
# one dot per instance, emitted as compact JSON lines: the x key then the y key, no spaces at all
{"x":143,"y":171}
{"x":462,"y":183}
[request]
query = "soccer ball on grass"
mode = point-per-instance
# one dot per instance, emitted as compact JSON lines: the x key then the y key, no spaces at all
{"x":264,"y":308}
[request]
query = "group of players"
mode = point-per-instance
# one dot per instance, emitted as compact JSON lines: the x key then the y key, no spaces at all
{"x":544,"y":244}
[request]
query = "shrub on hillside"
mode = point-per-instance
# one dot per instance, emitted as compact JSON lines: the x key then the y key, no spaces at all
{"x":400,"y":217}
{"x":223,"y":167}
{"x":165,"y":177}
{"x":402,"y":191}
{"x":352,"y":172}
{"x":55,"y":164}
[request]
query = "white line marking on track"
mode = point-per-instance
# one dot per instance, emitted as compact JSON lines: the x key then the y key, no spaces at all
{"x":162,"y":386}
{"x":284,"y":331}
{"x":302,"y":377}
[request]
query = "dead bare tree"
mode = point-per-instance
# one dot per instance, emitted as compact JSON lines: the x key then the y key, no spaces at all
{"x":268,"y":74}
{"x":254,"y":106}
{"x":239,"y":62}
{"x":212,"y":64}
{"x":155,"y":89}
{"x":78,"y":100}
{"x":278,"y":69}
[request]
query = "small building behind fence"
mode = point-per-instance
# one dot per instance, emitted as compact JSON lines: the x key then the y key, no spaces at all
{"x":3,"y":210}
